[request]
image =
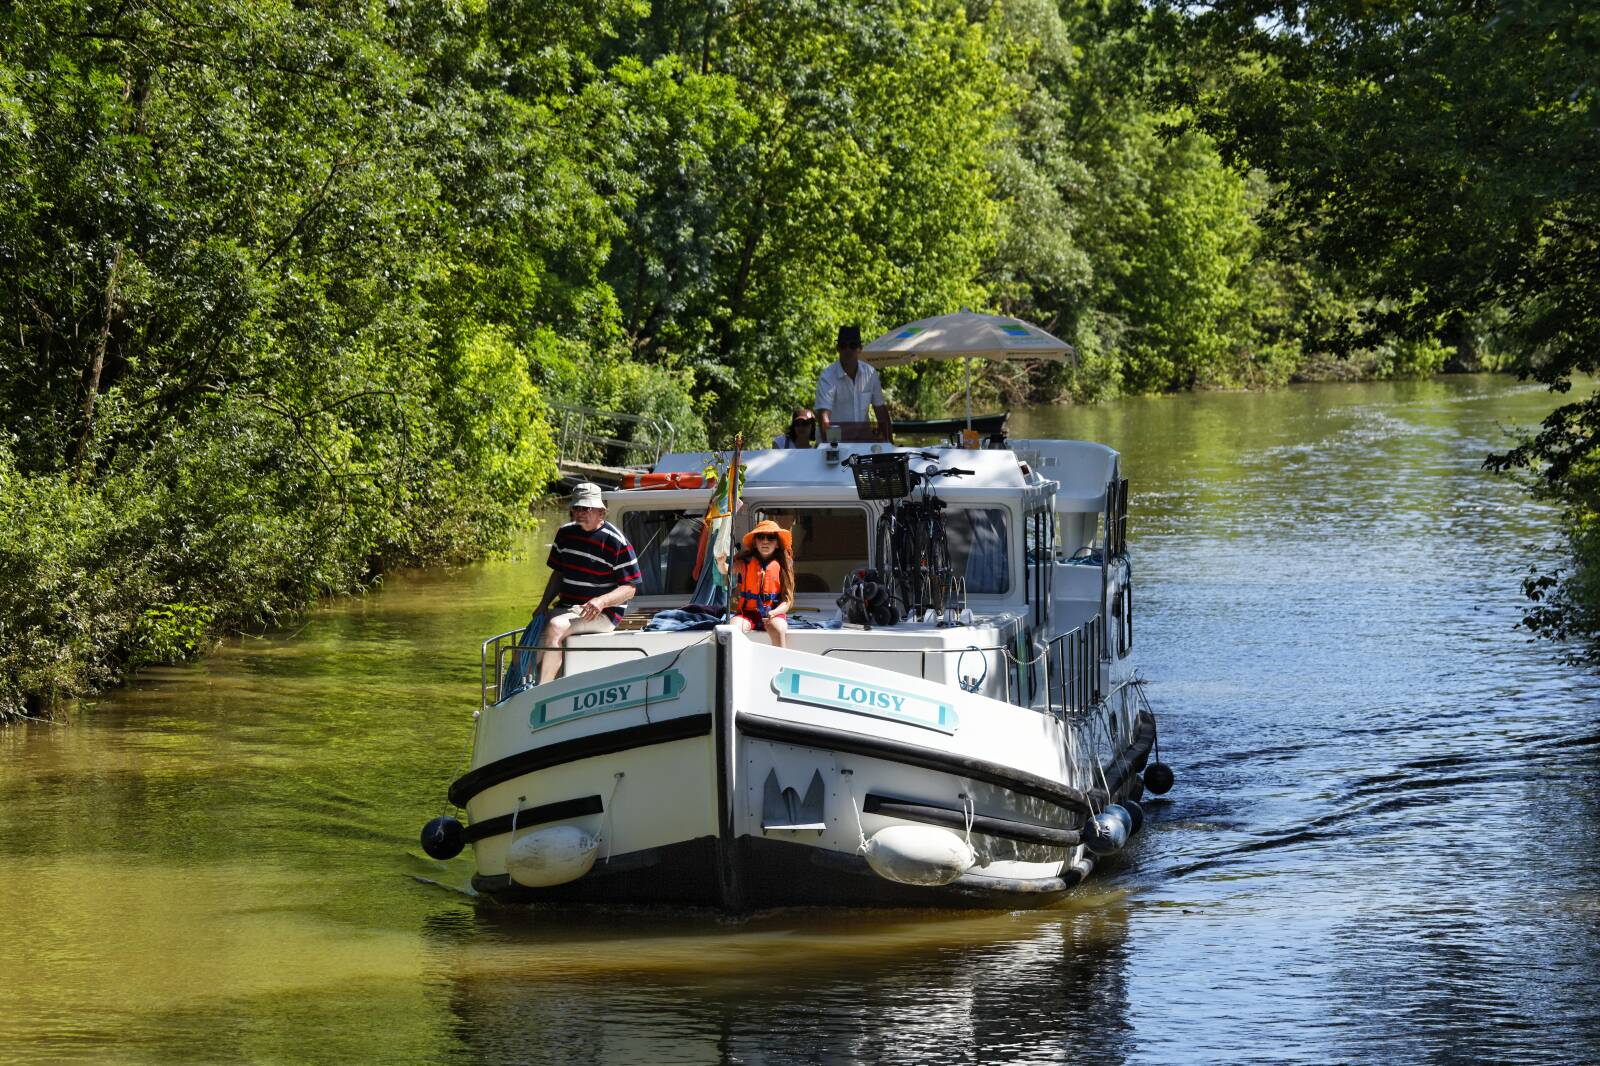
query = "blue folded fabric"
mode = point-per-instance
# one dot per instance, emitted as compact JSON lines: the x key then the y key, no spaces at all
{"x":800,"y":621}
{"x":681,"y":620}
{"x":521,"y":663}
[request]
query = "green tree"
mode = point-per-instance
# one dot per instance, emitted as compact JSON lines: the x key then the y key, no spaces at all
{"x":264,"y":278}
{"x":1443,"y":153}
{"x":810,"y":164}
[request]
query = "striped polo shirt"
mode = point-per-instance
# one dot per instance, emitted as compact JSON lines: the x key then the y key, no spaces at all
{"x":592,"y":564}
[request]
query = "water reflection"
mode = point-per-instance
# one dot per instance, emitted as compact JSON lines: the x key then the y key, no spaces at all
{"x":792,"y":986}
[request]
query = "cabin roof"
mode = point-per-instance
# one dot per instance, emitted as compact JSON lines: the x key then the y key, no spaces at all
{"x":808,"y":467}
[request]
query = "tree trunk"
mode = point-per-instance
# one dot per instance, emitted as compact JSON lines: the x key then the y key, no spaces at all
{"x":97,"y":362}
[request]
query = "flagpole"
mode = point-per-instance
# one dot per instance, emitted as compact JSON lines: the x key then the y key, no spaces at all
{"x":733,"y":508}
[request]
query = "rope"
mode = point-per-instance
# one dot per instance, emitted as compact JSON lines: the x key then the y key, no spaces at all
{"x":860,"y":831}
{"x":1103,"y":782}
{"x":1040,"y":647}
{"x":466,"y":754}
{"x":977,"y":683}
{"x":1138,"y":683}
{"x":670,"y":663}
{"x":1097,"y":769}
{"x":605,"y":829}
{"x":970,"y":810}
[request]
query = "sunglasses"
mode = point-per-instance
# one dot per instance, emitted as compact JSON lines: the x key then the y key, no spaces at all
{"x":766,"y":536}
{"x":805,"y":421}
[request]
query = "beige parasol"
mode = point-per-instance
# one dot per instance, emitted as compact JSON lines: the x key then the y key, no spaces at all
{"x":967,"y":335}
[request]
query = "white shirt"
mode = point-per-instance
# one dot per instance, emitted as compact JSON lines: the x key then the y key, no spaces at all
{"x":848,"y":400}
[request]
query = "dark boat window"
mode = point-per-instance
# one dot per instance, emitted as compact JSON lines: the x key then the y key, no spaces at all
{"x":978,"y":548}
{"x":667,"y":543}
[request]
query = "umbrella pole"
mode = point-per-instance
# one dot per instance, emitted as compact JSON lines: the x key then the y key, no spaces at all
{"x":969,"y":392}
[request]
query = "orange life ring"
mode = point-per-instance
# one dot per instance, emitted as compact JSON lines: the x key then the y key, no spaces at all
{"x":663,"y":481}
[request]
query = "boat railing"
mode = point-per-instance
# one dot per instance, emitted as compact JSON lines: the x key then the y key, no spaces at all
{"x":1073,"y":679}
{"x":610,"y":438}
{"x":1115,"y":543}
{"x":506,"y":667}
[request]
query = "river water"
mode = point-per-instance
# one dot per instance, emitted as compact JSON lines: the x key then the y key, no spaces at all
{"x":1381,"y":846}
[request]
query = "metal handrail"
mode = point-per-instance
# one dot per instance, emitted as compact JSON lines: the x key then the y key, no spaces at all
{"x":496,"y":682}
{"x":1080,"y":653}
{"x":574,"y":433}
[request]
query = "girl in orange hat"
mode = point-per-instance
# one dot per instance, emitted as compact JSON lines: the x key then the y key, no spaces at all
{"x":764,"y":575}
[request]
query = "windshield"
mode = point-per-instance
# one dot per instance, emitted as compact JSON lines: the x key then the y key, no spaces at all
{"x":977,"y":539}
{"x":667,"y":543}
{"x":829,"y":542}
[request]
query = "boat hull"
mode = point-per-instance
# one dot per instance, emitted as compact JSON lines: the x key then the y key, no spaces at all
{"x":760,"y":779}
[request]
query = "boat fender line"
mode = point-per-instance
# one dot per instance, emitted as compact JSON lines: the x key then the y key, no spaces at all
{"x":1123,"y":770}
{"x":1158,"y":776}
{"x":918,"y":855}
{"x":611,"y":806}
{"x":444,"y":837}
{"x":550,"y":856}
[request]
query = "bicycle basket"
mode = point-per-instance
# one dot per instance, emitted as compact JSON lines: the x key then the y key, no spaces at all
{"x":882,"y":477}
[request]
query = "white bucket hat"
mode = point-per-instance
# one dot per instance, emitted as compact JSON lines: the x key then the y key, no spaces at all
{"x":587,"y":494}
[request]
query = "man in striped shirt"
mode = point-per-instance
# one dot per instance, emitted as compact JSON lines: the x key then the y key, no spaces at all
{"x":595,"y":573}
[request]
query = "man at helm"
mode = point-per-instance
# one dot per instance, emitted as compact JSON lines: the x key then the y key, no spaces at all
{"x":849,"y":392}
{"x":595,"y":572}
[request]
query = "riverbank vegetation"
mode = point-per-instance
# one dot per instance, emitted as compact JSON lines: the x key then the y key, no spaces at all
{"x":287,"y":291}
{"x":1444,"y":156}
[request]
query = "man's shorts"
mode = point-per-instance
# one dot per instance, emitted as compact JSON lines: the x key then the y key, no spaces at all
{"x":599,"y":624}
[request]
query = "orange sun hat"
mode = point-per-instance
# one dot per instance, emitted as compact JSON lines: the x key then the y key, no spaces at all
{"x":769,"y":526}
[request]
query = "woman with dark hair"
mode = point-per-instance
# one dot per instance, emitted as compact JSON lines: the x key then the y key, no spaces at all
{"x":801,"y":433}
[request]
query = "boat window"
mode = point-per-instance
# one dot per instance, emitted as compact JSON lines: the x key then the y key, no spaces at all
{"x":829,"y":542}
{"x":667,"y":543}
{"x":978,"y":551}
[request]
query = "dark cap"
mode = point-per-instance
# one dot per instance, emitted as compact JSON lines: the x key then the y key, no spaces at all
{"x":849,"y":336}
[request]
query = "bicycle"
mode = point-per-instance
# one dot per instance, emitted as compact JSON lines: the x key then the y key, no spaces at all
{"x":931,"y":544}
{"x":911,"y":550}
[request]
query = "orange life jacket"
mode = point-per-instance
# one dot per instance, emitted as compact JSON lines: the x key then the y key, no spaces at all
{"x":760,"y":587}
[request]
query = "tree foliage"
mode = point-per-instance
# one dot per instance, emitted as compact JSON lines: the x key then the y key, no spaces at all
{"x":1445,"y":154}
{"x":289,"y":292}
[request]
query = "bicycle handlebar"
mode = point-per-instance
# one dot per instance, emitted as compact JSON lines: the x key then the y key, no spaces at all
{"x":920,"y":475}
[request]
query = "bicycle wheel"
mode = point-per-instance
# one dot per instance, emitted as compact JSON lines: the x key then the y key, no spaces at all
{"x":940,"y":574}
{"x":927,"y":562}
{"x":883,"y":545}
{"x":908,"y":570}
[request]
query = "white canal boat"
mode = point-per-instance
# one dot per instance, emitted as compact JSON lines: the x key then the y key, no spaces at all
{"x":984,"y":755}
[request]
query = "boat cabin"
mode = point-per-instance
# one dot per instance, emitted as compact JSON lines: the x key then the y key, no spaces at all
{"x":1027,"y":534}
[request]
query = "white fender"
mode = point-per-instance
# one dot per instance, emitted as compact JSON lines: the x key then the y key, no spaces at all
{"x":918,"y":855}
{"x":553,"y":855}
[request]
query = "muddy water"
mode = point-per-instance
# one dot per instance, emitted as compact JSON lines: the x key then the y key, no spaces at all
{"x":1382,"y":845}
